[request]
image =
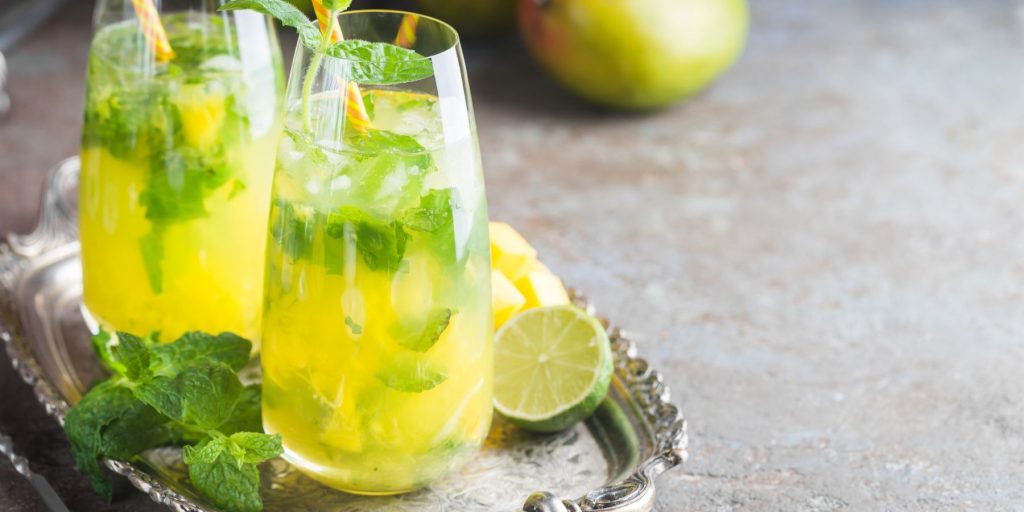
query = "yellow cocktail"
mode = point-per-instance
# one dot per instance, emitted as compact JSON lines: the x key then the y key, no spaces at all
{"x":176,"y":170}
{"x":377,"y":359}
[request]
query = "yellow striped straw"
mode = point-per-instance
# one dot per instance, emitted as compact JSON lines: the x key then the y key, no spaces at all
{"x":153,"y":29}
{"x":355,"y":109}
{"x":407,"y":31}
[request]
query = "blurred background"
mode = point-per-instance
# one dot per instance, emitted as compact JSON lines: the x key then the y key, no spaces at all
{"x":810,"y":212}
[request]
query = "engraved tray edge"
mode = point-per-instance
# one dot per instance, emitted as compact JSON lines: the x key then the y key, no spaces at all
{"x":644,"y":385}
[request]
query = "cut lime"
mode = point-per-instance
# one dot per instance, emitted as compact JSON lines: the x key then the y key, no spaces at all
{"x":552,"y":367}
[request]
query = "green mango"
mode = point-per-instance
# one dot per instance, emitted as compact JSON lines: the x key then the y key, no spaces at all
{"x":634,"y":54}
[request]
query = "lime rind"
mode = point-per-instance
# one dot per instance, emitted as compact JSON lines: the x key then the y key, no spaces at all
{"x":576,"y":346}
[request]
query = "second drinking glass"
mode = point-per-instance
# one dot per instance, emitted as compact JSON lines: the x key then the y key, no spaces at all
{"x":181,"y":117}
{"x":377,"y":358}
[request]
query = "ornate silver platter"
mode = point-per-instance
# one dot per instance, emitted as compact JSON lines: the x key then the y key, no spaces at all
{"x":609,"y":463}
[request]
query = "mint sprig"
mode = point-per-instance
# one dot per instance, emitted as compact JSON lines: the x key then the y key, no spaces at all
{"x":370,"y":63}
{"x":381,"y":63}
{"x":183,"y":393}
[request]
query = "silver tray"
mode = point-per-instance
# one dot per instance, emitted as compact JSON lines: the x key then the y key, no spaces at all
{"x":609,"y":462}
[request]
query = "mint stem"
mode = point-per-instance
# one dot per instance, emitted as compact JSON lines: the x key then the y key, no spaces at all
{"x":314,"y":66}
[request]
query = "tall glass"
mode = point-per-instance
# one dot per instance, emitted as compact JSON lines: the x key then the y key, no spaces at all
{"x":177,"y":155}
{"x":377,"y":358}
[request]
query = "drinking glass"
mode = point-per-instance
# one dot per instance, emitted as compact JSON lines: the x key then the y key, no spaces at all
{"x":177,"y":154}
{"x":377,"y":327}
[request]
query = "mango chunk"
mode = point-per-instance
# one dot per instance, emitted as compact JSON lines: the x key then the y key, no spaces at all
{"x":510,"y":252}
{"x":202,"y":114}
{"x":541,"y":287}
{"x":505,"y":298}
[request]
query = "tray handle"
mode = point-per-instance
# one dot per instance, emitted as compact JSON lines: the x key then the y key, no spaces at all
{"x":57,"y":224}
{"x":635,"y":493}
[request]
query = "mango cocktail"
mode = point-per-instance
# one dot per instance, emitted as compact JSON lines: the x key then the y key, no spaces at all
{"x":377,"y":359}
{"x":177,"y":157}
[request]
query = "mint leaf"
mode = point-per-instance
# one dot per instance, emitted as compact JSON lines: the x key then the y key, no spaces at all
{"x":187,"y":391}
{"x":246,"y":416}
{"x":421,"y":338}
{"x":201,"y":396}
{"x":381,"y":244}
{"x":197,"y":347}
{"x":162,"y":394}
{"x":434,"y":213}
{"x":257,"y":447}
{"x":102,"y":343}
{"x":151,"y":245}
{"x":435,"y":218}
{"x":84,"y":425}
{"x":284,"y":12}
{"x":208,"y":394}
{"x":206,"y":452}
{"x":381,"y":63}
{"x":230,"y":484}
{"x":132,"y":354}
{"x":136,"y":429}
{"x":412,"y":375}
{"x":336,"y":5}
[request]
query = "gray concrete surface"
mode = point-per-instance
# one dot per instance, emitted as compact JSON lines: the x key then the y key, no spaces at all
{"x":823,"y":252}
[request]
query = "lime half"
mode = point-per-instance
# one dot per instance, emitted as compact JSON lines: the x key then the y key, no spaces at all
{"x":552,"y":367}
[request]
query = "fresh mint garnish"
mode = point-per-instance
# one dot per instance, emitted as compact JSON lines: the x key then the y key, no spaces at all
{"x":435,"y":219}
{"x":421,"y":336}
{"x":284,"y":12}
{"x":381,"y":63}
{"x":409,"y":374}
{"x":370,"y":63}
{"x":186,"y":393}
{"x":380,"y":243}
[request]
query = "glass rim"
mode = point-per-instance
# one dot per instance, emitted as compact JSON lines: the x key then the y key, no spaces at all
{"x":456,"y":42}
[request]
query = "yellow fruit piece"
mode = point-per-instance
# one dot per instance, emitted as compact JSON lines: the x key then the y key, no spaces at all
{"x":541,"y":287}
{"x":202,"y":114}
{"x":510,"y":252}
{"x":505,"y":298}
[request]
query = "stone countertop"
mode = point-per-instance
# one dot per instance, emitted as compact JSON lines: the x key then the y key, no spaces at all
{"x":823,"y":253}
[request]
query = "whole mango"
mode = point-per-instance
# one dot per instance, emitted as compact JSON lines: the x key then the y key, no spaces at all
{"x":634,"y":54}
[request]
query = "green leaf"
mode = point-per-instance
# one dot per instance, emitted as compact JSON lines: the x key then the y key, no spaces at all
{"x":151,"y":245}
{"x":84,"y":425}
{"x":435,"y":218}
{"x":246,"y":416}
{"x":336,"y":5}
{"x":381,"y":244}
{"x":434,"y":213}
{"x":162,"y":393}
{"x":102,"y":342}
{"x":257,"y":447}
{"x":195,"y":347}
{"x":206,"y":452}
{"x":284,"y":12}
{"x":421,"y":337}
{"x":133,"y":354}
{"x":202,"y":396}
{"x":232,"y":486}
{"x":381,"y":63}
{"x":409,"y":374}
{"x":209,"y":393}
{"x":136,"y":429}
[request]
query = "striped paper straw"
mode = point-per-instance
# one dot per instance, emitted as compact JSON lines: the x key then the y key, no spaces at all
{"x":355,"y":109}
{"x":153,"y":29}
{"x":407,"y":31}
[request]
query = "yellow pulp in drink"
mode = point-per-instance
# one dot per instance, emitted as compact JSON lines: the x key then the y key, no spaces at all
{"x":175,"y":182}
{"x":377,"y":359}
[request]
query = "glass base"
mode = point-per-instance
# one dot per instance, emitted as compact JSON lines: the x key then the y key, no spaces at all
{"x":322,"y":474}
{"x":90,"y":321}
